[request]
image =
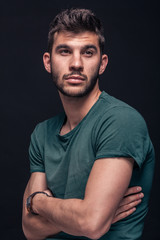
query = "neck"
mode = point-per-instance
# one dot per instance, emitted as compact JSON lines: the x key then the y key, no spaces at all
{"x":77,"y":108}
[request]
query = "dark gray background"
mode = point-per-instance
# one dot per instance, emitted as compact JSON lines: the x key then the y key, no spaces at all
{"x":27,"y":95}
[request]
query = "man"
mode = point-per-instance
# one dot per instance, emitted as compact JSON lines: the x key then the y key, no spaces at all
{"x":83,"y":160}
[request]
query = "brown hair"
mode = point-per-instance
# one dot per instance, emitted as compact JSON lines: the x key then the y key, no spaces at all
{"x":76,"y":20}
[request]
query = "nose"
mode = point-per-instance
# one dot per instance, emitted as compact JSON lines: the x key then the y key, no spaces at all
{"x":76,"y":63}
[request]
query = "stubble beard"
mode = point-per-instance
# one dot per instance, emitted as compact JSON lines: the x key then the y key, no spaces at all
{"x":83,"y":91}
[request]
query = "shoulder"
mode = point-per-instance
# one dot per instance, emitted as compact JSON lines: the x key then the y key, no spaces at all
{"x":121,"y":131}
{"x":125,"y":116}
{"x":48,"y":126}
{"x":51,"y":122}
{"x":119,"y":113}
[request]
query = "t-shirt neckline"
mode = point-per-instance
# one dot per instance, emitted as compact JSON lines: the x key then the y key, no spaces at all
{"x":67,"y":135}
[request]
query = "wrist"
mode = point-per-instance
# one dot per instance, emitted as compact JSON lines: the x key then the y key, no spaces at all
{"x":35,"y":200}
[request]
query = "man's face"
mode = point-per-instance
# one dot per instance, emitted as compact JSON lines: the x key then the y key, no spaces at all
{"x":75,"y":62}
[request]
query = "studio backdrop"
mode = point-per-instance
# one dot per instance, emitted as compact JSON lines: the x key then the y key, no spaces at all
{"x":28,"y":96}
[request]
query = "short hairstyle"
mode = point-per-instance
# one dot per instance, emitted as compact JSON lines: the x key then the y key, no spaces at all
{"x":76,"y":20}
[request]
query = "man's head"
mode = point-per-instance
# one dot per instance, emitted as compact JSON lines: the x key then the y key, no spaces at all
{"x":76,"y":21}
{"x":75,"y":56}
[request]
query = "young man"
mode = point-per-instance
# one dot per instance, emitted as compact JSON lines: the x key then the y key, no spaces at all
{"x":83,"y":160}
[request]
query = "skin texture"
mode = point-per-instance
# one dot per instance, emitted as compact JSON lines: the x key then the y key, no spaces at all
{"x":75,"y":64}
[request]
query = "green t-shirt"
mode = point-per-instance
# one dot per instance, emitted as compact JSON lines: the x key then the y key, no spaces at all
{"x":110,"y":129}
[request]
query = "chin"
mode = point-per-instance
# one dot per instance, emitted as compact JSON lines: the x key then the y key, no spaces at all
{"x":74,"y":92}
{"x":77,"y":91}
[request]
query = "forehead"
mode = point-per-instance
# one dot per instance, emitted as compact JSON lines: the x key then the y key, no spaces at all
{"x":75,"y":39}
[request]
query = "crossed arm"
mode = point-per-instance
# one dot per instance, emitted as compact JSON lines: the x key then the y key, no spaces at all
{"x":90,"y":217}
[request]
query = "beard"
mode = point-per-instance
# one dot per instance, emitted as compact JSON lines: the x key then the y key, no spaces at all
{"x":83,"y":90}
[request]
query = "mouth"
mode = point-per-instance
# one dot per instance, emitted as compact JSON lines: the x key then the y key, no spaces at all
{"x":75,"y":79}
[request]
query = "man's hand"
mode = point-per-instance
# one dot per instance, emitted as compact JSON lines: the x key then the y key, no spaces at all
{"x":127,"y":206}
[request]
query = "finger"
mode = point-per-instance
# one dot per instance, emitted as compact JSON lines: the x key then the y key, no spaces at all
{"x":127,"y":207}
{"x":133,"y":190}
{"x":123,"y":215}
{"x":131,"y":198}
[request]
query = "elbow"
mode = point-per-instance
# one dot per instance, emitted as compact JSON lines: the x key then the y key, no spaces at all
{"x":26,"y":232}
{"x":94,"y":227}
{"x":28,"y":235}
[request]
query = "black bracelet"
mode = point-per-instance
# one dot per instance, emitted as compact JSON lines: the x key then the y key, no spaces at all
{"x":29,"y":201}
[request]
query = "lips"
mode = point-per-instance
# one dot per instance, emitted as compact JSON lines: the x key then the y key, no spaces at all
{"x":74,"y":79}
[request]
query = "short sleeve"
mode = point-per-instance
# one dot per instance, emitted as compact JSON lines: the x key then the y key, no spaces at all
{"x":122,"y":132}
{"x":36,"y":151}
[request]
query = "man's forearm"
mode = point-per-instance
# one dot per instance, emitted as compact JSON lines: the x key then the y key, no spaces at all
{"x":73,"y":216}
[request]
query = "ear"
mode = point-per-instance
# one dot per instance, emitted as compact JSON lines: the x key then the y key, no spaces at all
{"x":47,"y":61}
{"x":104,"y":62}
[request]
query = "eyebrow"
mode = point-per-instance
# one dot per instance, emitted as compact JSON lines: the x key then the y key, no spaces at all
{"x":84,"y":47}
{"x":62,"y":46}
{"x":90,"y":46}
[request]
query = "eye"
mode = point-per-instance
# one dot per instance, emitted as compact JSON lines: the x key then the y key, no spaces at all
{"x":88,"y":53}
{"x":64,"y":52}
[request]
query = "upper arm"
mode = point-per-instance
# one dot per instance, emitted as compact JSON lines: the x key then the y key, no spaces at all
{"x":122,"y":132}
{"x":107,"y":184}
{"x":121,"y":136}
{"x":36,"y":150}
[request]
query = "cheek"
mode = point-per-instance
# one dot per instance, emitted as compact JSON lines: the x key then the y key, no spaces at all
{"x":93,"y":67}
{"x":57,"y":66}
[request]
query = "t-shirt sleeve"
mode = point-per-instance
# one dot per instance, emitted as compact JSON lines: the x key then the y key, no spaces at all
{"x":122,"y":132}
{"x":36,"y":151}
